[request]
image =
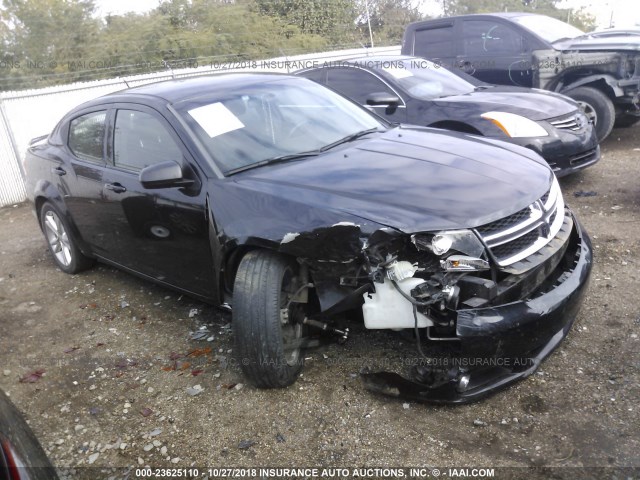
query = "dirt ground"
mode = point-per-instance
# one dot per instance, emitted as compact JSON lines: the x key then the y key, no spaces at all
{"x":116,"y":391}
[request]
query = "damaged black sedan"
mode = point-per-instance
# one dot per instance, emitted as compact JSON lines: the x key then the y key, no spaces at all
{"x":292,"y":204}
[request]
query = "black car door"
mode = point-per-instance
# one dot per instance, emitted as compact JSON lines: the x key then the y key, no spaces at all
{"x":162,"y":233}
{"x":81,"y":177}
{"x":494,"y":51}
{"x":359,"y":85}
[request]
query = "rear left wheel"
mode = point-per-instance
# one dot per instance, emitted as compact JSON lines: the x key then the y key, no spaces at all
{"x":61,"y":243}
{"x":267,"y":325}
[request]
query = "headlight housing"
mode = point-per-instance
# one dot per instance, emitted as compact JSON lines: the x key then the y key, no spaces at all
{"x":515,"y":126}
{"x":460,"y":241}
{"x":461,"y":250}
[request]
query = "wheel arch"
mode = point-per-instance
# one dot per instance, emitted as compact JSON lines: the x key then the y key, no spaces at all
{"x":232,"y":261}
{"x":605,"y":83}
{"x":233,"y":257}
{"x":46,"y":192}
{"x":230,"y":264}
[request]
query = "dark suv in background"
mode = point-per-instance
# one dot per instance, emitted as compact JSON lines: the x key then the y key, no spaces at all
{"x":601,"y":73}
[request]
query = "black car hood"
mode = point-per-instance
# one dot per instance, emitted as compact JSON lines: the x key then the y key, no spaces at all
{"x":533,"y":104}
{"x":410,"y":178}
{"x":628,"y":43}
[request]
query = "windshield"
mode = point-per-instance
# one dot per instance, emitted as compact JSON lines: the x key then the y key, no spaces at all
{"x":426,"y":80}
{"x":550,"y":29}
{"x":285,"y":117}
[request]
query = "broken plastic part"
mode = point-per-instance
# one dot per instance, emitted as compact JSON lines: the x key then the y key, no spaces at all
{"x":399,"y":271}
{"x":462,"y":263}
{"x":440,"y":244}
{"x":424,"y":290}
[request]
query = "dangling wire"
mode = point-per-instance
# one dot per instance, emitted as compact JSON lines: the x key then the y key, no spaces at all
{"x":417,"y":330}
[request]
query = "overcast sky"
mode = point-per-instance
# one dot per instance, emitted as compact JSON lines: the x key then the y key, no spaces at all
{"x":118,"y":7}
{"x":622,"y":12}
{"x":625,"y":12}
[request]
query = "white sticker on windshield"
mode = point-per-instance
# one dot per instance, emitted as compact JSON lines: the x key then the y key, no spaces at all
{"x":216,"y":119}
{"x":398,"y":72}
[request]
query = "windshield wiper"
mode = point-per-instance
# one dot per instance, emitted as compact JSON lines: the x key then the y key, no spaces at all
{"x":297,"y":156}
{"x":349,"y":138}
{"x":271,"y":161}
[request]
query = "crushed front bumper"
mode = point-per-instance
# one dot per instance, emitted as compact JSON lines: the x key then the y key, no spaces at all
{"x":503,"y":344}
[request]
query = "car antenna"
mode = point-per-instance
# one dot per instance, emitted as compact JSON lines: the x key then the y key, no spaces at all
{"x":126,"y":83}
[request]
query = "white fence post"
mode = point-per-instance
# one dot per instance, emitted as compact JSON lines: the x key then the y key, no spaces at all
{"x":11,"y":173}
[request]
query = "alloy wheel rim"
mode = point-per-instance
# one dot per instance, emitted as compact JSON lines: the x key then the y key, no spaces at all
{"x":291,"y":328}
{"x":58,"y":238}
{"x":589,"y":111}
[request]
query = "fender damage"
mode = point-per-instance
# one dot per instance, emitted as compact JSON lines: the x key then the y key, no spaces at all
{"x":590,"y":61}
{"x":478,"y":291}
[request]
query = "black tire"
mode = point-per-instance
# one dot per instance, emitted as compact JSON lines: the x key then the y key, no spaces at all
{"x":267,"y":344}
{"x":625,"y":121}
{"x":597,"y":106}
{"x":63,"y":247}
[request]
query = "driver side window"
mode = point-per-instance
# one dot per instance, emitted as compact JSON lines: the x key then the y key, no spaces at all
{"x":141,"y":140}
{"x":356,"y":84}
{"x":485,"y":37}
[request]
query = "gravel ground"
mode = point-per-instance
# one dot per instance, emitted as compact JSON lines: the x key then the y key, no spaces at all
{"x":122,"y":368}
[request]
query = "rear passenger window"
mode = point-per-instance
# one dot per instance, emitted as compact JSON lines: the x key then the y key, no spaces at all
{"x":485,"y":37}
{"x":141,"y":140}
{"x":86,"y":136}
{"x":434,"y":42}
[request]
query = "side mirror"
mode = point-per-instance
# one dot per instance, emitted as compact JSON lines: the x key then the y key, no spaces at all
{"x":382,"y":98}
{"x":163,"y":175}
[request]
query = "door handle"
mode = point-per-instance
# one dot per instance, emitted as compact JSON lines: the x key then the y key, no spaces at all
{"x":115,"y":187}
{"x":59,"y":171}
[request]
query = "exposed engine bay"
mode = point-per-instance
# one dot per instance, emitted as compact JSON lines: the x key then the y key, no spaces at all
{"x":432,"y":283}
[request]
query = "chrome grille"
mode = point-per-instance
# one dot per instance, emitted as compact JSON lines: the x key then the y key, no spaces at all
{"x":506,"y":222}
{"x":575,"y":121}
{"x":523,"y":233}
{"x":512,"y":248}
{"x":545,"y":197}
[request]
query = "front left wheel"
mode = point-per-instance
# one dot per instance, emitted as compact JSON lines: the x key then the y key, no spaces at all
{"x":61,"y":243}
{"x":267,"y":325}
{"x":597,"y":107}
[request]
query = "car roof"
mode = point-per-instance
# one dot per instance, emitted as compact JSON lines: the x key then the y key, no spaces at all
{"x":506,"y":15}
{"x":178,"y":90}
{"x":378,"y":59}
{"x":512,"y":14}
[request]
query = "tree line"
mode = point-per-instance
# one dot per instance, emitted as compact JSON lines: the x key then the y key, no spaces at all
{"x":52,"y":42}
